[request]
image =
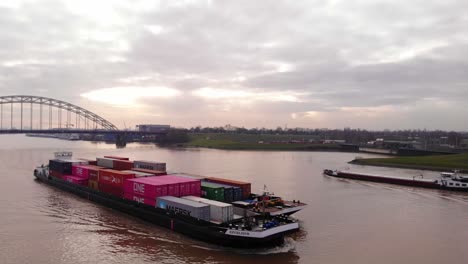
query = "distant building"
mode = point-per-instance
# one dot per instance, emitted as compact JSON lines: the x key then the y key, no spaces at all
{"x":153,"y":128}
{"x":230,"y":128}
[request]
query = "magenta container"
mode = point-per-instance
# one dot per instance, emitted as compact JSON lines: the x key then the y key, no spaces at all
{"x":81,"y":171}
{"x":187,"y":186}
{"x":150,"y":187}
{"x":140,"y":199}
{"x":76,"y":180}
{"x":153,"y":187}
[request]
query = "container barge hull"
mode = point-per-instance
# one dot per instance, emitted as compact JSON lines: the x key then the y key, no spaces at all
{"x":443,"y":184}
{"x":198,"y":229}
{"x":383,"y":179}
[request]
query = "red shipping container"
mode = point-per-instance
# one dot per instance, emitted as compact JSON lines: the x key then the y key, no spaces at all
{"x":93,"y":185}
{"x":116,"y":157}
{"x":123,"y":165}
{"x":81,"y":171}
{"x":76,"y":180}
{"x":111,"y":189}
{"x":86,"y":171}
{"x":140,"y":199}
{"x":55,"y":174}
{"x":94,"y":174}
{"x":154,"y":172}
{"x":114,"y":177}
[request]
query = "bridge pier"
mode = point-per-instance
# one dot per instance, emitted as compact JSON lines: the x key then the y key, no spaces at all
{"x":121,"y":140}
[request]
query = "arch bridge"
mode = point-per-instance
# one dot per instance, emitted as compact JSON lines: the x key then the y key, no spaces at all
{"x":26,"y":113}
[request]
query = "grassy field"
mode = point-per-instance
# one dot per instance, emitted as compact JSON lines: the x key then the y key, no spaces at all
{"x":255,"y":142}
{"x":443,"y":162}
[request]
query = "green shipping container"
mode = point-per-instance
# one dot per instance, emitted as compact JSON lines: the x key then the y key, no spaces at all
{"x":212,"y":191}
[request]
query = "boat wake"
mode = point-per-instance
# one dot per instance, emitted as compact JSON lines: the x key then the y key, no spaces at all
{"x":288,"y":246}
{"x":427,"y":193}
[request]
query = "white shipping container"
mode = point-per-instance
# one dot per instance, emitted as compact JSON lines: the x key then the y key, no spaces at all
{"x":219,"y":212}
{"x":105,"y":162}
{"x":149,"y":165}
{"x":184,"y":207}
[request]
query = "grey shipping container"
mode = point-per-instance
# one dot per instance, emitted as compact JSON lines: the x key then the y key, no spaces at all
{"x":150,"y":165}
{"x":105,"y":162}
{"x":184,"y":207}
{"x":219,"y":212}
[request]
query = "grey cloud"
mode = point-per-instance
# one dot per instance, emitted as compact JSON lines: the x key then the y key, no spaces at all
{"x":337,"y":50}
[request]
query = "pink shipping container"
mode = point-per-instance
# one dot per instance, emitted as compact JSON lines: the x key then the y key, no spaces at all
{"x":140,"y":199}
{"x":76,"y":180}
{"x":153,"y":187}
{"x":192,"y":186}
{"x":150,"y":187}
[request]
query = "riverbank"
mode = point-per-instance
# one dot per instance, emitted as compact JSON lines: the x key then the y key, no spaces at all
{"x":258,"y":142}
{"x":436,"y":163}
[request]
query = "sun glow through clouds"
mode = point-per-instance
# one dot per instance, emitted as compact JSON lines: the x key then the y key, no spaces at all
{"x":128,"y":96}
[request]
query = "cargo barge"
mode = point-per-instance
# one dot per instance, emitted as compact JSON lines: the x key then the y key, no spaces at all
{"x":446,"y":181}
{"x":180,"y":207}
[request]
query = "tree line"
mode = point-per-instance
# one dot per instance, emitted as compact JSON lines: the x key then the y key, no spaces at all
{"x":350,"y":135}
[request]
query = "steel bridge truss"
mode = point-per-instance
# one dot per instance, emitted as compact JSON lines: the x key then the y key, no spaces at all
{"x":90,"y":120}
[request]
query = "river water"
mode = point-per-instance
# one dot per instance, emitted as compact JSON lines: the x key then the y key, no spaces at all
{"x":346,"y":221}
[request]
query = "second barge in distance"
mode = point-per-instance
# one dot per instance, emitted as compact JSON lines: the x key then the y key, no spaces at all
{"x":446,"y":180}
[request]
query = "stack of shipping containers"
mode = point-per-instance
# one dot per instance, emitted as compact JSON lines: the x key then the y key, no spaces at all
{"x":146,"y":182}
{"x":219,"y":212}
{"x":150,"y":165}
{"x":88,"y":173}
{"x":116,"y":164}
{"x":59,"y":168}
{"x":212,"y":191}
{"x":147,"y":189}
{"x":184,"y":207}
{"x":93,"y":172}
{"x":231,"y":193}
{"x":112,"y":181}
{"x":245,"y":186}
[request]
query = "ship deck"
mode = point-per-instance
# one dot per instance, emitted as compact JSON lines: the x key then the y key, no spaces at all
{"x":289,"y":207}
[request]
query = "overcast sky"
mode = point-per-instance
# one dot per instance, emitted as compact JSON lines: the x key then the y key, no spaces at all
{"x":362,"y":64}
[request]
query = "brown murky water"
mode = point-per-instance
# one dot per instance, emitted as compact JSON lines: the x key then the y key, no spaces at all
{"x":346,"y":221}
